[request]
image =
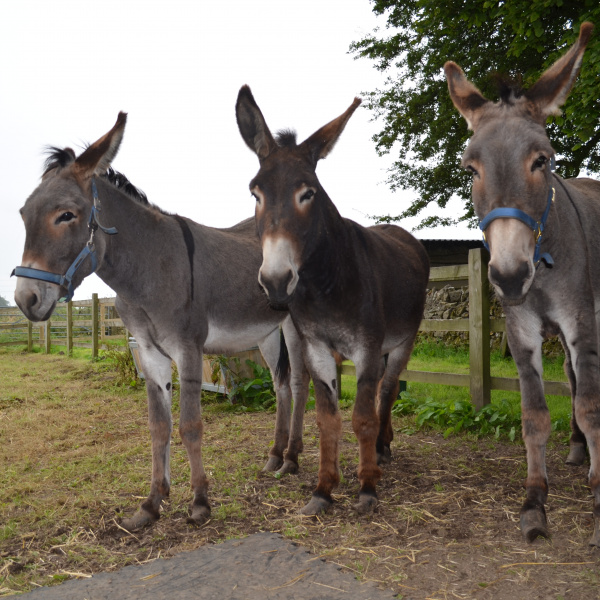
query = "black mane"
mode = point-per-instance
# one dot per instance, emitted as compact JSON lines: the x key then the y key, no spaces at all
{"x":59,"y":158}
{"x":509,"y":89}
{"x":122,"y":183}
{"x":286,"y":138}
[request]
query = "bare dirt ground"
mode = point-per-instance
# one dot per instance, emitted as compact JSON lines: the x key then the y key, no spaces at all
{"x":446,"y":525}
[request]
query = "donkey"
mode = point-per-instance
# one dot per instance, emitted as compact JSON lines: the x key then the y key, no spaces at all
{"x":182,"y":289}
{"x":358,"y":292}
{"x":548,"y":282}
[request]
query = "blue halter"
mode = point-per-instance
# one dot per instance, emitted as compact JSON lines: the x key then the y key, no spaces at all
{"x":536,"y":226}
{"x":66,"y":280}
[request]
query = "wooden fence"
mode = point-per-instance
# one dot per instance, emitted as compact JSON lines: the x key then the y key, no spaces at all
{"x":101,"y":319}
{"x":75,"y":324}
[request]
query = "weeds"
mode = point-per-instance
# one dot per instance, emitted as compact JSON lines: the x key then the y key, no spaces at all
{"x":499,"y":420}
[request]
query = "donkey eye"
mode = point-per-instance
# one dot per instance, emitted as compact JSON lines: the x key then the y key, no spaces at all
{"x":472,"y":170}
{"x":65,"y":217}
{"x":539,"y":163}
{"x":308,"y":194}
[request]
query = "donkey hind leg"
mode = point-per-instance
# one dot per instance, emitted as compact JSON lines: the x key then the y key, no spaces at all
{"x":323,"y":371}
{"x":157,"y":370}
{"x":526,"y":347}
{"x":299,"y":381}
{"x":387,"y":394}
{"x":191,"y":429}
{"x":587,"y":413}
{"x":577,"y":442}
{"x":365,"y":424}
{"x":270,"y":349}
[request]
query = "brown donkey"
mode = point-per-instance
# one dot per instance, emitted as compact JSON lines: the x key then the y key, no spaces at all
{"x":548,"y":282}
{"x":355,"y":291}
{"x":182,"y":289}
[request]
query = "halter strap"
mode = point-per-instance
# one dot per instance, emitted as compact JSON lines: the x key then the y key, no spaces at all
{"x":536,"y":226}
{"x":89,"y":249}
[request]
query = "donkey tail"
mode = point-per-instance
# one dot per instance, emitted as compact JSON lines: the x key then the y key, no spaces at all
{"x":282,"y":371}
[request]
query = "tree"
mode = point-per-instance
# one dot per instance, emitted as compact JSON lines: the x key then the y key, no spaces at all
{"x":519,"y":39}
{"x":4,"y":302}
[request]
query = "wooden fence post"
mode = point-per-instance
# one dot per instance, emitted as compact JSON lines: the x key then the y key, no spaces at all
{"x":29,"y":336}
{"x":479,"y":328}
{"x":47,"y":340}
{"x":95,"y":325}
{"x":70,"y":328}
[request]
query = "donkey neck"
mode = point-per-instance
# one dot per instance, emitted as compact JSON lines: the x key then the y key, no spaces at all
{"x":329,"y":259}
{"x":131,"y":253}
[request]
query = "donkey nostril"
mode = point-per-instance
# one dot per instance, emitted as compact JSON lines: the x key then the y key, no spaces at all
{"x":32,"y":301}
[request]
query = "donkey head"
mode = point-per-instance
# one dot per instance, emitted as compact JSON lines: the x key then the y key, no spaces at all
{"x":509,"y":156}
{"x":56,"y":217}
{"x":291,"y":205}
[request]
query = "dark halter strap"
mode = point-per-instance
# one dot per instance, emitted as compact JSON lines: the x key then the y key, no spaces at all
{"x":66,"y":280}
{"x":536,"y":226}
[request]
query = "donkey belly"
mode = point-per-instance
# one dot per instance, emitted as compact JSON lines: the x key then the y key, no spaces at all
{"x":222,"y":340}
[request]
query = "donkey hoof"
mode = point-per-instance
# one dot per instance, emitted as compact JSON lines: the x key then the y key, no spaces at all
{"x":200,"y":514}
{"x":534,"y":524}
{"x":140,"y":519}
{"x":366,"y":503}
{"x":317,"y":506}
{"x":576,"y":455}
{"x":289,"y":467}
{"x":385,"y":457}
{"x":273,"y":464}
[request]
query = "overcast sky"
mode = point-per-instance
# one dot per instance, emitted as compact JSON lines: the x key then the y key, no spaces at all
{"x":68,"y":67}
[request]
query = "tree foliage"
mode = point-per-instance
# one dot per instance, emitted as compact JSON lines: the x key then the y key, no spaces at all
{"x":487,"y":38}
{"x":4,"y":302}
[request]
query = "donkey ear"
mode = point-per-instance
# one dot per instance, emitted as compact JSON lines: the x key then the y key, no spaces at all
{"x":550,"y":91}
{"x":465,"y":96}
{"x":252,"y":124}
{"x":321,"y":143}
{"x":96,"y":158}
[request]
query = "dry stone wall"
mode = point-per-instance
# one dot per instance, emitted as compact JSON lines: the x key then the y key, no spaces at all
{"x":453,"y":303}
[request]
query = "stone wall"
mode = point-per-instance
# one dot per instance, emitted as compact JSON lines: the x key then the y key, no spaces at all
{"x":453,"y":303}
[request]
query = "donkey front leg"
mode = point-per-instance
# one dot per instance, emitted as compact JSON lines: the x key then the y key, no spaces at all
{"x":322,"y":368}
{"x":157,"y":370}
{"x":191,"y":429}
{"x":526,"y":347}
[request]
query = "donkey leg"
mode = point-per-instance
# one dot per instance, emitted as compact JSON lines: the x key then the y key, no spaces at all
{"x":157,"y":370}
{"x":191,"y":429}
{"x":387,"y":395}
{"x":270,"y":348}
{"x":323,"y":371}
{"x":526,"y":346}
{"x":577,"y":442}
{"x":366,"y":428}
{"x":588,"y":416}
{"x":299,"y":381}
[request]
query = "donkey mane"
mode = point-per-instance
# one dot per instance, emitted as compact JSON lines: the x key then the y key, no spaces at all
{"x":509,"y":89}
{"x":59,"y":158}
{"x":286,"y":138}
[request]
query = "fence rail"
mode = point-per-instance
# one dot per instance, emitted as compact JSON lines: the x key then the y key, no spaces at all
{"x":76,"y":324}
{"x":86,"y":323}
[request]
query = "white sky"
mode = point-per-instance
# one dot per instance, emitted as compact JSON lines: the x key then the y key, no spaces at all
{"x":68,"y":66}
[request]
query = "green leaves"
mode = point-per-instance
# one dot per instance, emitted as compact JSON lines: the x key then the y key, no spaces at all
{"x":497,"y":420}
